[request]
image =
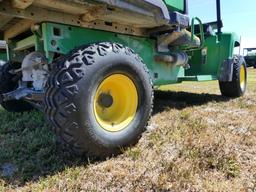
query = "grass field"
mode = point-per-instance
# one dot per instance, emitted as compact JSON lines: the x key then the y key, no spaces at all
{"x":196,"y":141}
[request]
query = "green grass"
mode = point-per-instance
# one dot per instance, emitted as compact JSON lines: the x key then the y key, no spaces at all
{"x":29,"y":148}
{"x":197,"y":141}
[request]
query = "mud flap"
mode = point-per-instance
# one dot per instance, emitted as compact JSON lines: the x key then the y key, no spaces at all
{"x":226,"y":71}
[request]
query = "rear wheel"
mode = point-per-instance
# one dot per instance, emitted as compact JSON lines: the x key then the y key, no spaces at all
{"x":99,"y":99}
{"x":237,"y":87}
{"x":8,"y":83}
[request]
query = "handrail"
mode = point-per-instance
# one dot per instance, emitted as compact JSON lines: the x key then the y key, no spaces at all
{"x":201,"y":31}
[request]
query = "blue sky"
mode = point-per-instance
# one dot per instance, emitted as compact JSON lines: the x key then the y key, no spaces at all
{"x":238,"y":16}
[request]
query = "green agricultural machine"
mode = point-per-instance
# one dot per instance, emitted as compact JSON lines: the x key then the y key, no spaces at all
{"x":250,"y":57}
{"x":92,"y":65}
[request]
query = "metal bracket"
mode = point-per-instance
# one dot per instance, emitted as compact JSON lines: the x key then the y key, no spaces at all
{"x":23,"y":93}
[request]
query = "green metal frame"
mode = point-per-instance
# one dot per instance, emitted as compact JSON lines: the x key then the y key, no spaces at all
{"x":176,"y":5}
{"x":205,"y":61}
{"x":209,"y":59}
{"x":3,"y":55}
{"x":71,"y":37}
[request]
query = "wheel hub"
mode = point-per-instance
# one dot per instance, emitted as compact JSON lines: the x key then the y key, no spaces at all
{"x":115,"y":102}
{"x":105,"y":100}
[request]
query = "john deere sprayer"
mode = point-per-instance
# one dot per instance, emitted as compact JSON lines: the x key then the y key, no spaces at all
{"x":92,"y":65}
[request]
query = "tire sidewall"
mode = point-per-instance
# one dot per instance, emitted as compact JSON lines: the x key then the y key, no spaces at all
{"x":242,"y":64}
{"x":233,"y":88}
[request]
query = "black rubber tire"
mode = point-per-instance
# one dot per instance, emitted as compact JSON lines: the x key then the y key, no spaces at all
{"x":233,"y":88}
{"x":8,"y":83}
{"x":71,"y":87}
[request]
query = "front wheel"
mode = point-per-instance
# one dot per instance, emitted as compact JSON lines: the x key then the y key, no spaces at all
{"x":99,"y":99}
{"x":237,"y":87}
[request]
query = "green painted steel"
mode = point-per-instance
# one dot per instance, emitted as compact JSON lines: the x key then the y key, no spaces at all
{"x":71,"y":37}
{"x":58,"y":39}
{"x":176,"y":5}
{"x":209,"y":59}
{"x":198,"y":78}
{"x":18,"y":49}
{"x":205,"y":63}
{"x":25,"y":43}
{"x":3,"y":56}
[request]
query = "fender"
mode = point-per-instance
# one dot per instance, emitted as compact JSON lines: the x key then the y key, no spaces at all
{"x":226,"y":69}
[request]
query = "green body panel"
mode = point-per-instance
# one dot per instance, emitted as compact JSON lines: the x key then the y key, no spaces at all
{"x":71,"y":37}
{"x":3,"y":55}
{"x":25,"y":43}
{"x":198,"y":78}
{"x":18,"y":48}
{"x":58,"y":39}
{"x":177,"y":5}
{"x":209,"y":59}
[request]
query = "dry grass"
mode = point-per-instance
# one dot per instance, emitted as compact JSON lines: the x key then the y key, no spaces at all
{"x":196,"y":141}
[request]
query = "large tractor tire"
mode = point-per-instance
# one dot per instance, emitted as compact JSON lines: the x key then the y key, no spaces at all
{"x":99,"y":99}
{"x":8,"y":83}
{"x":237,"y":87}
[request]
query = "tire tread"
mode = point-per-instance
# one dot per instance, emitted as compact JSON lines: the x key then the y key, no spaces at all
{"x":62,"y":88}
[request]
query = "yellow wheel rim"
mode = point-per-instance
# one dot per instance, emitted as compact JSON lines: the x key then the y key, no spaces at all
{"x":115,"y":102}
{"x":242,"y":77}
